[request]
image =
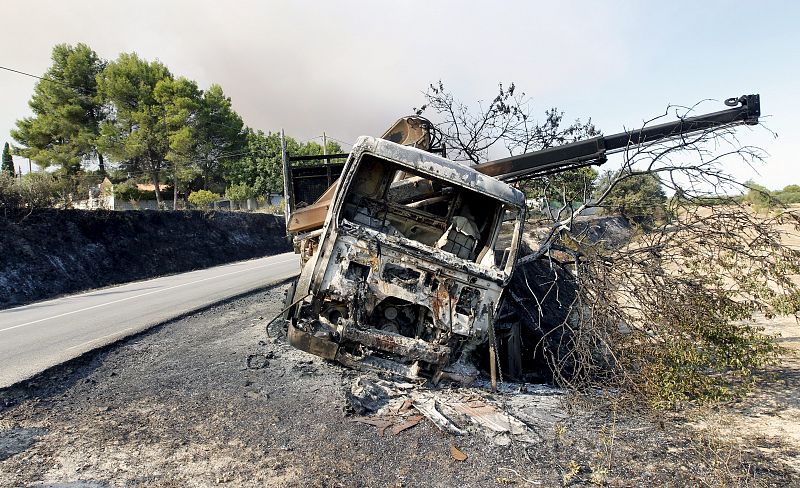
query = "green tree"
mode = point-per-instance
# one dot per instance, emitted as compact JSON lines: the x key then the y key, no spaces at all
{"x":181,"y":101}
{"x":135,"y":131}
{"x":639,"y":197}
{"x":221,"y":135}
{"x":67,"y":112}
{"x":576,"y":185}
{"x":791,"y":189}
{"x":261,"y":167}
{"x":8,"y":161}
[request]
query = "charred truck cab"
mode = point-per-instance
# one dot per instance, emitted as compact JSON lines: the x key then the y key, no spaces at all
{"x":407,"y":271}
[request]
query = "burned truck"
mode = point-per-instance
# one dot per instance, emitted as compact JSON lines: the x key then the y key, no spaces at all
{"x":409,"y":266}
{"x":405,"y":254}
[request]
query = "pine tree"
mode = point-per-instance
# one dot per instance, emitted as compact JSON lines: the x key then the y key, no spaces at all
{"x":8,"y":161}
{"x":136,"y":129}
{"x":66,"y":112}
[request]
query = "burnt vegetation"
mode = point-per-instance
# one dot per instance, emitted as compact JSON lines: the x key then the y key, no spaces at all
{"x":45,"y":253}
{"x":657,"y":300}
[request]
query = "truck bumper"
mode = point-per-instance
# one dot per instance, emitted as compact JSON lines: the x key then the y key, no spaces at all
{"x":318,"y":337}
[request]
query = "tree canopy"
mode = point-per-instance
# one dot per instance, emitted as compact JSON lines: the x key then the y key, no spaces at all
{"x":261,"y":168}
{"x":147,"y":123}
{"x":167,"y":127}
{"x":221,"y":135}
{"x":67,"y":112}
{"x":638,"y":197}
{"x":577,"y":185}
{"x":134,"y":132}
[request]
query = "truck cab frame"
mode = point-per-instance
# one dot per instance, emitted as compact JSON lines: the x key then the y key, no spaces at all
{"x":407,"y":271}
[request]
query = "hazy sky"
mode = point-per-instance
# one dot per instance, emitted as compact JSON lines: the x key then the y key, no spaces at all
{"x":352,"y":68}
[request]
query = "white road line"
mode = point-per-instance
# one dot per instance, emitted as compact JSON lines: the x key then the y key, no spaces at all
{"x":143,"y":294}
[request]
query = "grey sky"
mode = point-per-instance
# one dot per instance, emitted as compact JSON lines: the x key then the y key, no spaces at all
{"x":352,"y":68}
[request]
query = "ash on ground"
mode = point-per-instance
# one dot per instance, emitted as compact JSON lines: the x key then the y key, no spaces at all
{"x":210,"y":399}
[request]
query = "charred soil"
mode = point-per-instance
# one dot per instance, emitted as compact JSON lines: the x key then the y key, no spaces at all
{"x":210,"y":399}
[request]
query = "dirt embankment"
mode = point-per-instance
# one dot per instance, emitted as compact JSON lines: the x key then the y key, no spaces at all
{"x":53,"y":252}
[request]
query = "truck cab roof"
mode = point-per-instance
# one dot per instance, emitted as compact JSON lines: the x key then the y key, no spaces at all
{"x":453,"y":172}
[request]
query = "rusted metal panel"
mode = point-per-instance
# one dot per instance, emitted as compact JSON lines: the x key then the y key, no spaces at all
{"x":410,"y":131}
{"x":311,"y":217}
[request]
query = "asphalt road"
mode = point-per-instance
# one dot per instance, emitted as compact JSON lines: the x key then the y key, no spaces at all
{"x":40,"y":335}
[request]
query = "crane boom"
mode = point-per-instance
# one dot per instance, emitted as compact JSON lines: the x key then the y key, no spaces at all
{"x":594,"y":150}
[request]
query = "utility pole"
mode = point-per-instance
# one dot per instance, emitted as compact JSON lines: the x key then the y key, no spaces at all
{"x":288,"y":191}
{"x":174,"y":185}
{"x":324,"y":144}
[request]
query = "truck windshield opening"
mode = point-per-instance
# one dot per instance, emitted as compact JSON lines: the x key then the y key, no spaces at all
{"x":397,"y":201}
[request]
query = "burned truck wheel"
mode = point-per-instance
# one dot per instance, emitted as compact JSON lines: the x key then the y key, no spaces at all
{"x":534,"y":326}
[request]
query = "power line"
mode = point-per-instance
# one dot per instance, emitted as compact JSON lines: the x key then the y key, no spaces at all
{"x":331,"y":138}
{"x":51,"y":80}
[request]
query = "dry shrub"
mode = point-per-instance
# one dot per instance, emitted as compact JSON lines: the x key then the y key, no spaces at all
{"x":667,"y":313}
{"x":671,"y":314}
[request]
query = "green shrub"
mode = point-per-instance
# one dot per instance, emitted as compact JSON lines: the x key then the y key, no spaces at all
{"x":788,"y":198}
{"x":239,"y":193}
{"x":708,"y":201}
{"x":202,"y":198}
{"x":10,"y":197}
{"x":706,"y":358}
{"x":35,"y":190}
{"x":41,"y":190}
{"x":127,"y":191}
{"x":789,"y":195}
{"x":758,"y":196}
{"x":762,"y":199}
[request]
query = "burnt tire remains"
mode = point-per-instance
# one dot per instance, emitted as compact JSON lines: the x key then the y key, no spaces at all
{"x":533,"y":326}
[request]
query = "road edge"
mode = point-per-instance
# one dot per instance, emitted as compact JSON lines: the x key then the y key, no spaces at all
{"x":102,"y":347}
